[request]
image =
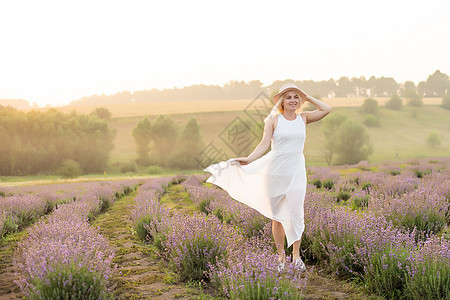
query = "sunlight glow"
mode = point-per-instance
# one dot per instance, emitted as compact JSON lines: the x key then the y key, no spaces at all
{"x":54,"y":52}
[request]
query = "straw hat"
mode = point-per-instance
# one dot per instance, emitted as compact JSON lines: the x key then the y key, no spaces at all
{"x":285,"y":88}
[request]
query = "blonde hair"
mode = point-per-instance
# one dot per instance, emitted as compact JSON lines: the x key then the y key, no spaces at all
{"x":280,"y":107}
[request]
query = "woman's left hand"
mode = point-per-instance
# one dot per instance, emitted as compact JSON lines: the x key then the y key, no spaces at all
{"x":243,"y":160}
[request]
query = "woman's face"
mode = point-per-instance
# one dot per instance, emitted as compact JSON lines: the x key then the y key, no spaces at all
{"x":291,"y":101}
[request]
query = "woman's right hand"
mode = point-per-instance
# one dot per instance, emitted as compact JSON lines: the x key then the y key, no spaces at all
{"x":243,"y":160}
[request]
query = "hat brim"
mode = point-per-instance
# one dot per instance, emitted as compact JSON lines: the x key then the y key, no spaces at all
{"x":276,"y":97}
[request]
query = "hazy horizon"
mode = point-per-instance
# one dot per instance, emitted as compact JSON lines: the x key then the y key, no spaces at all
{"x":57,"y":52}
{"x":69,"y":102}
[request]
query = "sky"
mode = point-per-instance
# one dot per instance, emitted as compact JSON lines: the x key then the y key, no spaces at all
{"x":53,"y":52}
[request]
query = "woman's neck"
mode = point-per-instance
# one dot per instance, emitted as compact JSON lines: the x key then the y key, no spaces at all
{"x":289,"y":114}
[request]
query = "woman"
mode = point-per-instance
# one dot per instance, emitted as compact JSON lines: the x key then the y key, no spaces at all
{"x":275,"y":184}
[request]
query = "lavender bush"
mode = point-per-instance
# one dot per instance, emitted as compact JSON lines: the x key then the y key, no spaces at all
{"x":3,"y":219}
{"x":424,"y":208}
{"x":257,"y":277}
{"x":322,"y":174}
{"x":196,"y":243}
{"x":217,"y":202}
{"x":203,"y":196}
{"x":59,"y":253}
{"x":149,"y":217}
{"x":20,"y":210}
{"x":386,"y":271}
{"x":192,"y":181}
{"x":429,"y":274}
{"x":251,"y":272}
{"x":360,"y":200}
{"x":420,"y":273}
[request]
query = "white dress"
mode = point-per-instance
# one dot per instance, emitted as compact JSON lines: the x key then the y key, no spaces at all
{"x":274,"y":184}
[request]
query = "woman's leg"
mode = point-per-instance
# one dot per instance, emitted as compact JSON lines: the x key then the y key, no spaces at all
{"x":278,"y":236}
{"x":298,"y":262}
{"x":296,"y":250}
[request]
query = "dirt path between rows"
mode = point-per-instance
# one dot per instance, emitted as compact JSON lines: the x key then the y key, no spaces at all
{"x":322,"y":286}
{"x":8,"y":245}
{"x":144,"y":275}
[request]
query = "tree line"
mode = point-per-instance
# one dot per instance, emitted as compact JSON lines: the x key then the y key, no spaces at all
{"x":41,"y":142}
{"x":436,"y":85}
{"x":163,"y":143}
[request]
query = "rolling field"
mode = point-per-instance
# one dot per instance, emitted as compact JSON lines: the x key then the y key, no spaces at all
{"x":402,"y":134}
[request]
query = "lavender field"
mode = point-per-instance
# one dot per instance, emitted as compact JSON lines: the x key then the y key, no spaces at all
{"x":61,"y":254}
{"x":386,"y":228}
{"x":383,"y":227}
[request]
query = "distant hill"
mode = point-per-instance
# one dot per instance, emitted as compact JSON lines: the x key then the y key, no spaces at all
{"x":401,"y":135}
{"x":437,"y":85}
{"x":200,"y":106}
{"x":17,"y":103}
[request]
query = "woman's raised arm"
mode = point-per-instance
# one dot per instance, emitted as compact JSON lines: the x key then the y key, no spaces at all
{"x":322,"y":110}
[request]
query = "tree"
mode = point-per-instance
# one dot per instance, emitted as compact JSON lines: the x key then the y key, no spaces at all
{"x":69,"y":169}
{"x":164,"y":135}
{"x":446,"y":102}
{"x":360,"y":85}
{"x":189,"y":145}
{"x":395,"y":102}
{"x":330,"y":127}
{"x":95,"y":133}
{"x":37,"y":142}
{"x":409,"y":89}
{"x":383,"y":86}
{"x":409,"y":86}
{"x":344,"y":87}
{"x":434,"y":139}
{"x":142,"y":138}
{"x":370,"y":106}
{"x":101,"y":113}
{"x":353,"y":143}
{"x":415,"y":100}
{"x":371,"y":121}
{"x":6,"y":152}
{"x":437,"y":85}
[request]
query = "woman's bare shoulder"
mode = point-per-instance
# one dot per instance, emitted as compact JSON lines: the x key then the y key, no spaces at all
{"x":271,"y":118}
{"x":271,"y":121}
{"x":275,"y":122}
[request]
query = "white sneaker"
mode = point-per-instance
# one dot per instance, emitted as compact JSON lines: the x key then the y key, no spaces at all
{"x":280,"y":266}
{"x":299,"y":264}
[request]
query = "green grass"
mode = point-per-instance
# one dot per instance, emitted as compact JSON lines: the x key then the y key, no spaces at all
{"x":177,"y":198}
{"x":402,"y":134}
{"x":107,"y":176}
{"x":8,"y":245}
